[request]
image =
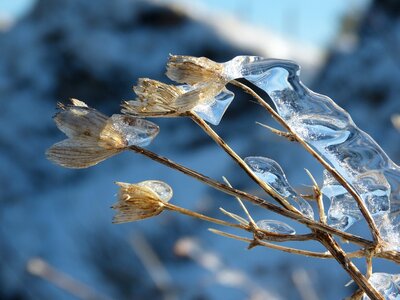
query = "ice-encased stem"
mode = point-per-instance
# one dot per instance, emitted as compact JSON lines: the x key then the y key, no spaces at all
{"x":242,"y":163}
{"x":318,"y":157}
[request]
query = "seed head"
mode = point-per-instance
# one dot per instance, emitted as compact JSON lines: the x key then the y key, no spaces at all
{"x":157,"y":99}
{"x":140,"y":201}
{"x":94,"y":137}
{"x":193,"y":70}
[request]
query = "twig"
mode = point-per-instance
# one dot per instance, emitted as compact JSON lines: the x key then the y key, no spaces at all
{"x":251,"y":221}
{"x":284,"y":134}
{"x":207,"y":129}
{"x":365,"y":212}
{"x":253,"y":243}
{"x":257,"y":200}
{"x":341,"y":257}
{"x":318,"y":197}
{"x":203,"y":217}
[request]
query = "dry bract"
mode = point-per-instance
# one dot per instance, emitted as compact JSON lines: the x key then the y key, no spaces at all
{"x":192,"y":70}
{"x":94,"y":137}
{"x":140,"y":201}
{"x":157,"y":99}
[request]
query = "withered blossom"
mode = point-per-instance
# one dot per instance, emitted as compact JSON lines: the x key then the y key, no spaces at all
{"x":193,"y":70}
{"x":94,"y":137}
{"x":141,"y":200}
{"x":157,"y":99}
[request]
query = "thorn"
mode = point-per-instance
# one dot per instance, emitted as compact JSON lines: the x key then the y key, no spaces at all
{"x":284,"y":134}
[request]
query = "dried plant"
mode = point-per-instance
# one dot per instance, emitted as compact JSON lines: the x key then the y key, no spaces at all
{"x":360,"y":181}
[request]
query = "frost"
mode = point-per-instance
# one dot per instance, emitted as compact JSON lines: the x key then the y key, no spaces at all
{"x":386,"y":284}
{"x":275,"y":226}
{"x":271,"y":172}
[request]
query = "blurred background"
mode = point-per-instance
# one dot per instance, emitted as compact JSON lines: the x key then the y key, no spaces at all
{"x":56,"y":236}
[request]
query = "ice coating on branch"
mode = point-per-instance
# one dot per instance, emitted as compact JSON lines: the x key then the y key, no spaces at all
{"x":275,"y":226}
{"x":163,"y":190}
{"x":214,"y":111}
{"x":343,"y":211}
{"x":138,"y":132}
{"x":388,"y":285}
{"x":330,"y":131}
{"x":271,"y":172}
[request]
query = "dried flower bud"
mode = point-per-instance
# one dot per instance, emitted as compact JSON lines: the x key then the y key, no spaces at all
{"x":157,"y":99}
{"x":192,"y":70}
{"x":93,"y":137}
{"x":140,"y":201}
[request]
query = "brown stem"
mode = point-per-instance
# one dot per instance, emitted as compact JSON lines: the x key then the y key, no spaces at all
{"x":251,"y":198}
{"x":340,"y":256}
{"x":193,"y":214}
{"x":199,"y":121}
{"x":257,"y":242}
{"x":365,"y":212}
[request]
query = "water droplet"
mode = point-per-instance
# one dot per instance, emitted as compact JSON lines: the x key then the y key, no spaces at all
{"x":275,"y":226}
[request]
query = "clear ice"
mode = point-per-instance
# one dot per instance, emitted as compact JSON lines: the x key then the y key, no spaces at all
{"x":387,"y":285}
{"x":136,"y":131}
{"x":275,"y":226}
{"x":214,"y":111}
{"x":271,"y":173}
{"x":330,"y":131}
{"x":163,"y":190}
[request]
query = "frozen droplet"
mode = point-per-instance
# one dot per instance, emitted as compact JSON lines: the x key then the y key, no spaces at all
{"x":136,"y":131}
{"x":213,"y":112}
{"x":275,"y":226}
{"x":271,"y":173}
{"x":388,"y":285}
{"x":163,"y":190}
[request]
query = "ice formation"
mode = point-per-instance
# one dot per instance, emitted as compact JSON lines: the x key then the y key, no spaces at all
{"x":275,"y":226}
{"x":386,"y":284}
{"x":330,"y":131}
{"x":138,"y":132}
{"x":271,"y":172}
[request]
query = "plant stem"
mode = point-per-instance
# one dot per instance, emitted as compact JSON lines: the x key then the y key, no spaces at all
{"x":340,"y":256}
{"x":259,"y":232}
{"x":199,"y":121}
{"x":365,"y":212}
{"x":251,"y":198}
{"x":253,"y":243}
{"x":202,"y":217}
